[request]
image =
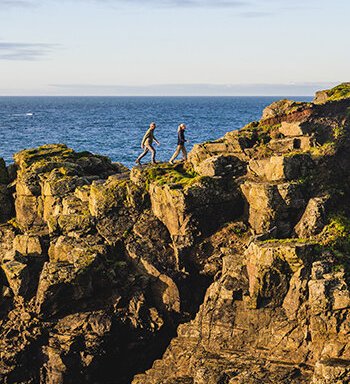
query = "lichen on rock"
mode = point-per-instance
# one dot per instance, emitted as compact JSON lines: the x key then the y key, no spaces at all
{"x":230,"y":268}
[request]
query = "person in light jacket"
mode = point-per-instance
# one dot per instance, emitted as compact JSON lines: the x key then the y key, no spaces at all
{"x":146,"y":144}
{"x":180,"y":144}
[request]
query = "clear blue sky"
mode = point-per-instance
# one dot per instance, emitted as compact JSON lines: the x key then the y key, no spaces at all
{"x":173,"y":47}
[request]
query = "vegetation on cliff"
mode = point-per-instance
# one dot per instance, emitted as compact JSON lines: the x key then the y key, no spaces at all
{"x":231,"y":268}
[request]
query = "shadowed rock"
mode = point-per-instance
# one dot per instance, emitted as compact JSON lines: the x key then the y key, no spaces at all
{"x":230,"y":268}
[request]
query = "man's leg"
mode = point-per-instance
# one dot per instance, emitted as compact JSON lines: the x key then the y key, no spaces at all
{"x":153,"y":151}
{"x":143,"y":154}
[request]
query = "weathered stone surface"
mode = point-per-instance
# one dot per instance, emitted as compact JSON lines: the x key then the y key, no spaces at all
{"x":294,"y":129}
{"x":16,"y":271}
{"x":313,"y":219}
{"x":272,"y":205}
{"x":290,"y":144}
{"x":226,"y":151}
{"x":268,"y":275}
{"x":49,"y":173}
{"x":210,"y":254}
{"x":188,"y":213}
{"x":279,"y":304}
{"x":7,"y":236}
{"x":169,"y":205}
{"x":28,"y":245}
{"x":221,"y":166}
{"x":102,"y":267}
{"x":229,"y":333}
{"x":340,"y":92}
{"x":4,"y":177}
{"x":278,"y":168}
{"x":332,"y":371}
{"x":328,"y":289}
{"x":29,"y":211}
{"x":6,"y":204}
{"x":321,"y":97}
{"x":277,"y":108}
{"x":76,"y":270}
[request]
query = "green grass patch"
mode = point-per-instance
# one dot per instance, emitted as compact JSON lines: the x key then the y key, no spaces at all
{"x":335,"y":240}
{"x":327,"y":149}
{"x":341,"y":91}
{"x":289,"y":240}
{"x":175,"y":175}
{"x":336,"y":234}
{"x":14,"y":224}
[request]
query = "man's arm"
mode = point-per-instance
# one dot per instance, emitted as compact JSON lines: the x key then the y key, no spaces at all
{"x":158,"y":143}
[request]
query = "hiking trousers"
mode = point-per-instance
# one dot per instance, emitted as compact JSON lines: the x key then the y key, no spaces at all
{"x":176,"y":153}
{"x":148,"y":148}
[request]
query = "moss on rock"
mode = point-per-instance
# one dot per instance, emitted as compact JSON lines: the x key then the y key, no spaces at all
{"x":340,"y":92}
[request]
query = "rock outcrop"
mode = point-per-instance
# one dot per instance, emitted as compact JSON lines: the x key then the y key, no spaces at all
{"x":231,"y":268}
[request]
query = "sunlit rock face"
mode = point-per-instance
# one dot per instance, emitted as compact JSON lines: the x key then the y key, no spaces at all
{"x":230,"y":268}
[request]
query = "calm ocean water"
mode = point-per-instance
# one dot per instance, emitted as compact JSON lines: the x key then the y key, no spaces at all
{"x":114,"y":126}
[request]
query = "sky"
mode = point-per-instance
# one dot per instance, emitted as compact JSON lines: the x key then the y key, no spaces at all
{"x":173,"y":47}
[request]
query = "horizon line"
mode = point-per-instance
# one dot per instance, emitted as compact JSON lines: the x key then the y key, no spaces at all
{"x":174,"y":90}
{"x":79,"y":95}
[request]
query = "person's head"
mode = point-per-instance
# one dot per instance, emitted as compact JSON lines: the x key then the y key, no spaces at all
{"x":182,"y":127}
{"x":152,"y":125}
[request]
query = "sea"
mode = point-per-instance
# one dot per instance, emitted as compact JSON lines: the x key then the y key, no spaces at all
{"x":114,"y":126}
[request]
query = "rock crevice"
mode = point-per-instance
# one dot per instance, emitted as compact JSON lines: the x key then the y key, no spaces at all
{"x":230,"y":268}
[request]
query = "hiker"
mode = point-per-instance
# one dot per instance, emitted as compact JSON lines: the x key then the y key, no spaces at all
{"x":180,"y":144}
{"x":146,"y":144}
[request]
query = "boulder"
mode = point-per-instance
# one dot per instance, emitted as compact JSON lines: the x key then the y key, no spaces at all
{"x":277,"y":108}
{"x":314,"y":217}
{"x":270,"y":268}
{"x":28,"y":245}
{"x":320,"y":97}
{"x":196,"y":210}
{"x":290,"y":144}
{"x":276,"y":168}
{"x":229,"y":149}
{"x":15,"y":268}
{"x":328,"y":289}
{"x":272,"y":205}
{"x":48,"y":174}
{"x":221,"y":165}
{"x":294,"y":129}
{"x":331,"y":371}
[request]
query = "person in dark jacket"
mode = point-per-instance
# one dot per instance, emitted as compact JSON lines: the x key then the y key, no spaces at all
{"x":180,"y":144}
{"x":146,"y":144}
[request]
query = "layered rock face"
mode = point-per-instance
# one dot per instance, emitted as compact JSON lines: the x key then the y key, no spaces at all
{"x":231,"y":268}
{"x":278,"y":310}
{"x":96,"y":262}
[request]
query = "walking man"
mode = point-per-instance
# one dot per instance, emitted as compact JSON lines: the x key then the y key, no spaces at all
{"x":146,"y":144}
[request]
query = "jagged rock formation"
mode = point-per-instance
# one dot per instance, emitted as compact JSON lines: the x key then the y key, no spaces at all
{"x":244,"y":251}
{"x":278,"y":309}
{"x":96,"y":263}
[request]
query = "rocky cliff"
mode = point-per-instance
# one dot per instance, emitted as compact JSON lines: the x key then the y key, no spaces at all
{"x":231,"y":268}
